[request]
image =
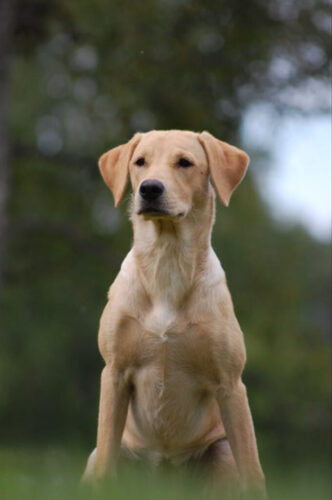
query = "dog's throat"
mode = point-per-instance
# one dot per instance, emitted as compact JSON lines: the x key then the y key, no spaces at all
{"x":167,"y":275}
{"x":169,"y":255}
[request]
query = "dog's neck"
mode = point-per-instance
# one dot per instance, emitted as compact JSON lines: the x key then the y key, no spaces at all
{"x":171,"y":255}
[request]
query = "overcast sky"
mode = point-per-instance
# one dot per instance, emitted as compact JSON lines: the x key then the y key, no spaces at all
{"x":298,"y":183}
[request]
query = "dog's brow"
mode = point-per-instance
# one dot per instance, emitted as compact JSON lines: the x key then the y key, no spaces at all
{"x":183,"y":152}
{"x":141,"y":153}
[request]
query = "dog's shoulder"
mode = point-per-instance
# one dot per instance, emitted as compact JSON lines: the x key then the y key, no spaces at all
{"x":214,"y":314}
{"x":211,"y":289}
{"x":118,"y":324}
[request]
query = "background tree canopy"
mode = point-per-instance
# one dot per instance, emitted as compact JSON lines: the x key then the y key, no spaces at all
{"x":83,"y":77}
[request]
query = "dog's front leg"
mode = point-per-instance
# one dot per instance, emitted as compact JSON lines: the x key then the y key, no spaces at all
{"x":113,"y":407}
{"x":236,"y":416}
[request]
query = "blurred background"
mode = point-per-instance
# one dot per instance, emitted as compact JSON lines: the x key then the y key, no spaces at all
{"x":79,"y":77}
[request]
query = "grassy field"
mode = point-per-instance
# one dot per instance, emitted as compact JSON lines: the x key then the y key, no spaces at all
{"x":51,"y":474}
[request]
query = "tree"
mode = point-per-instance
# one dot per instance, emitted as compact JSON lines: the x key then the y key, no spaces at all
{"x":7,"y":9}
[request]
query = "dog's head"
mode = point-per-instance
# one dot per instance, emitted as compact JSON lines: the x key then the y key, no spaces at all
{"x":169,"y":171}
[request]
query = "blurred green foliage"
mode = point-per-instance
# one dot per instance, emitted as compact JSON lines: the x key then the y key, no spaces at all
{"x":54,"y":474}
{"x":84,"y":78}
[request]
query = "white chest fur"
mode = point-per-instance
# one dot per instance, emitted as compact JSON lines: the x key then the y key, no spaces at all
{"x":160,"y":319}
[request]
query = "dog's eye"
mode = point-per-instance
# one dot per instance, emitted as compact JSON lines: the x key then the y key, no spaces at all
{"x":140,"y":162}
{"x":183,"y":162}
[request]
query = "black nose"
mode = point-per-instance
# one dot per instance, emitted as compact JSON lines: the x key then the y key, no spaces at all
{"x":151,"y":189}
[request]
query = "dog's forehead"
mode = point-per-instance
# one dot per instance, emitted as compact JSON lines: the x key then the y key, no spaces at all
{"x":171,"y":141}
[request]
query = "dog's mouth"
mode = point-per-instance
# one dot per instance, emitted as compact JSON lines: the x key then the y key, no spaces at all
{"x":155,"y":209}
{"x":152,"y":211}
{"x":156,"y":212}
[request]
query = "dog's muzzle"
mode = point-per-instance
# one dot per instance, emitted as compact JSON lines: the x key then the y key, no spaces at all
{"x":151,"y":191}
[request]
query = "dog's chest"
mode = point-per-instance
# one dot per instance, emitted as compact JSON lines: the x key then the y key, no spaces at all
{"x":173,"y":367}
{"x":167,"y":342}
{"x":161,"y":320}
{"x":176,"y":369}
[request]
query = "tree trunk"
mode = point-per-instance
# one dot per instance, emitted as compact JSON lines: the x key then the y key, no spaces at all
{"x":7,"y":8}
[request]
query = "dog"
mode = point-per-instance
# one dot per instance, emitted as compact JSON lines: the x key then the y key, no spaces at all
{"x":171,"y":388}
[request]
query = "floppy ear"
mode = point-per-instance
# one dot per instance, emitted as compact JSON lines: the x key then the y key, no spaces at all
{"x":114,"y":167}
{"x":227,"y":165}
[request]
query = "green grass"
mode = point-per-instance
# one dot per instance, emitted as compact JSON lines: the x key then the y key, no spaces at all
{"x":50,"y":474}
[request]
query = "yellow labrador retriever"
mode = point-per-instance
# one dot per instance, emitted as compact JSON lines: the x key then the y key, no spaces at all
{"x":173,"y":349}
